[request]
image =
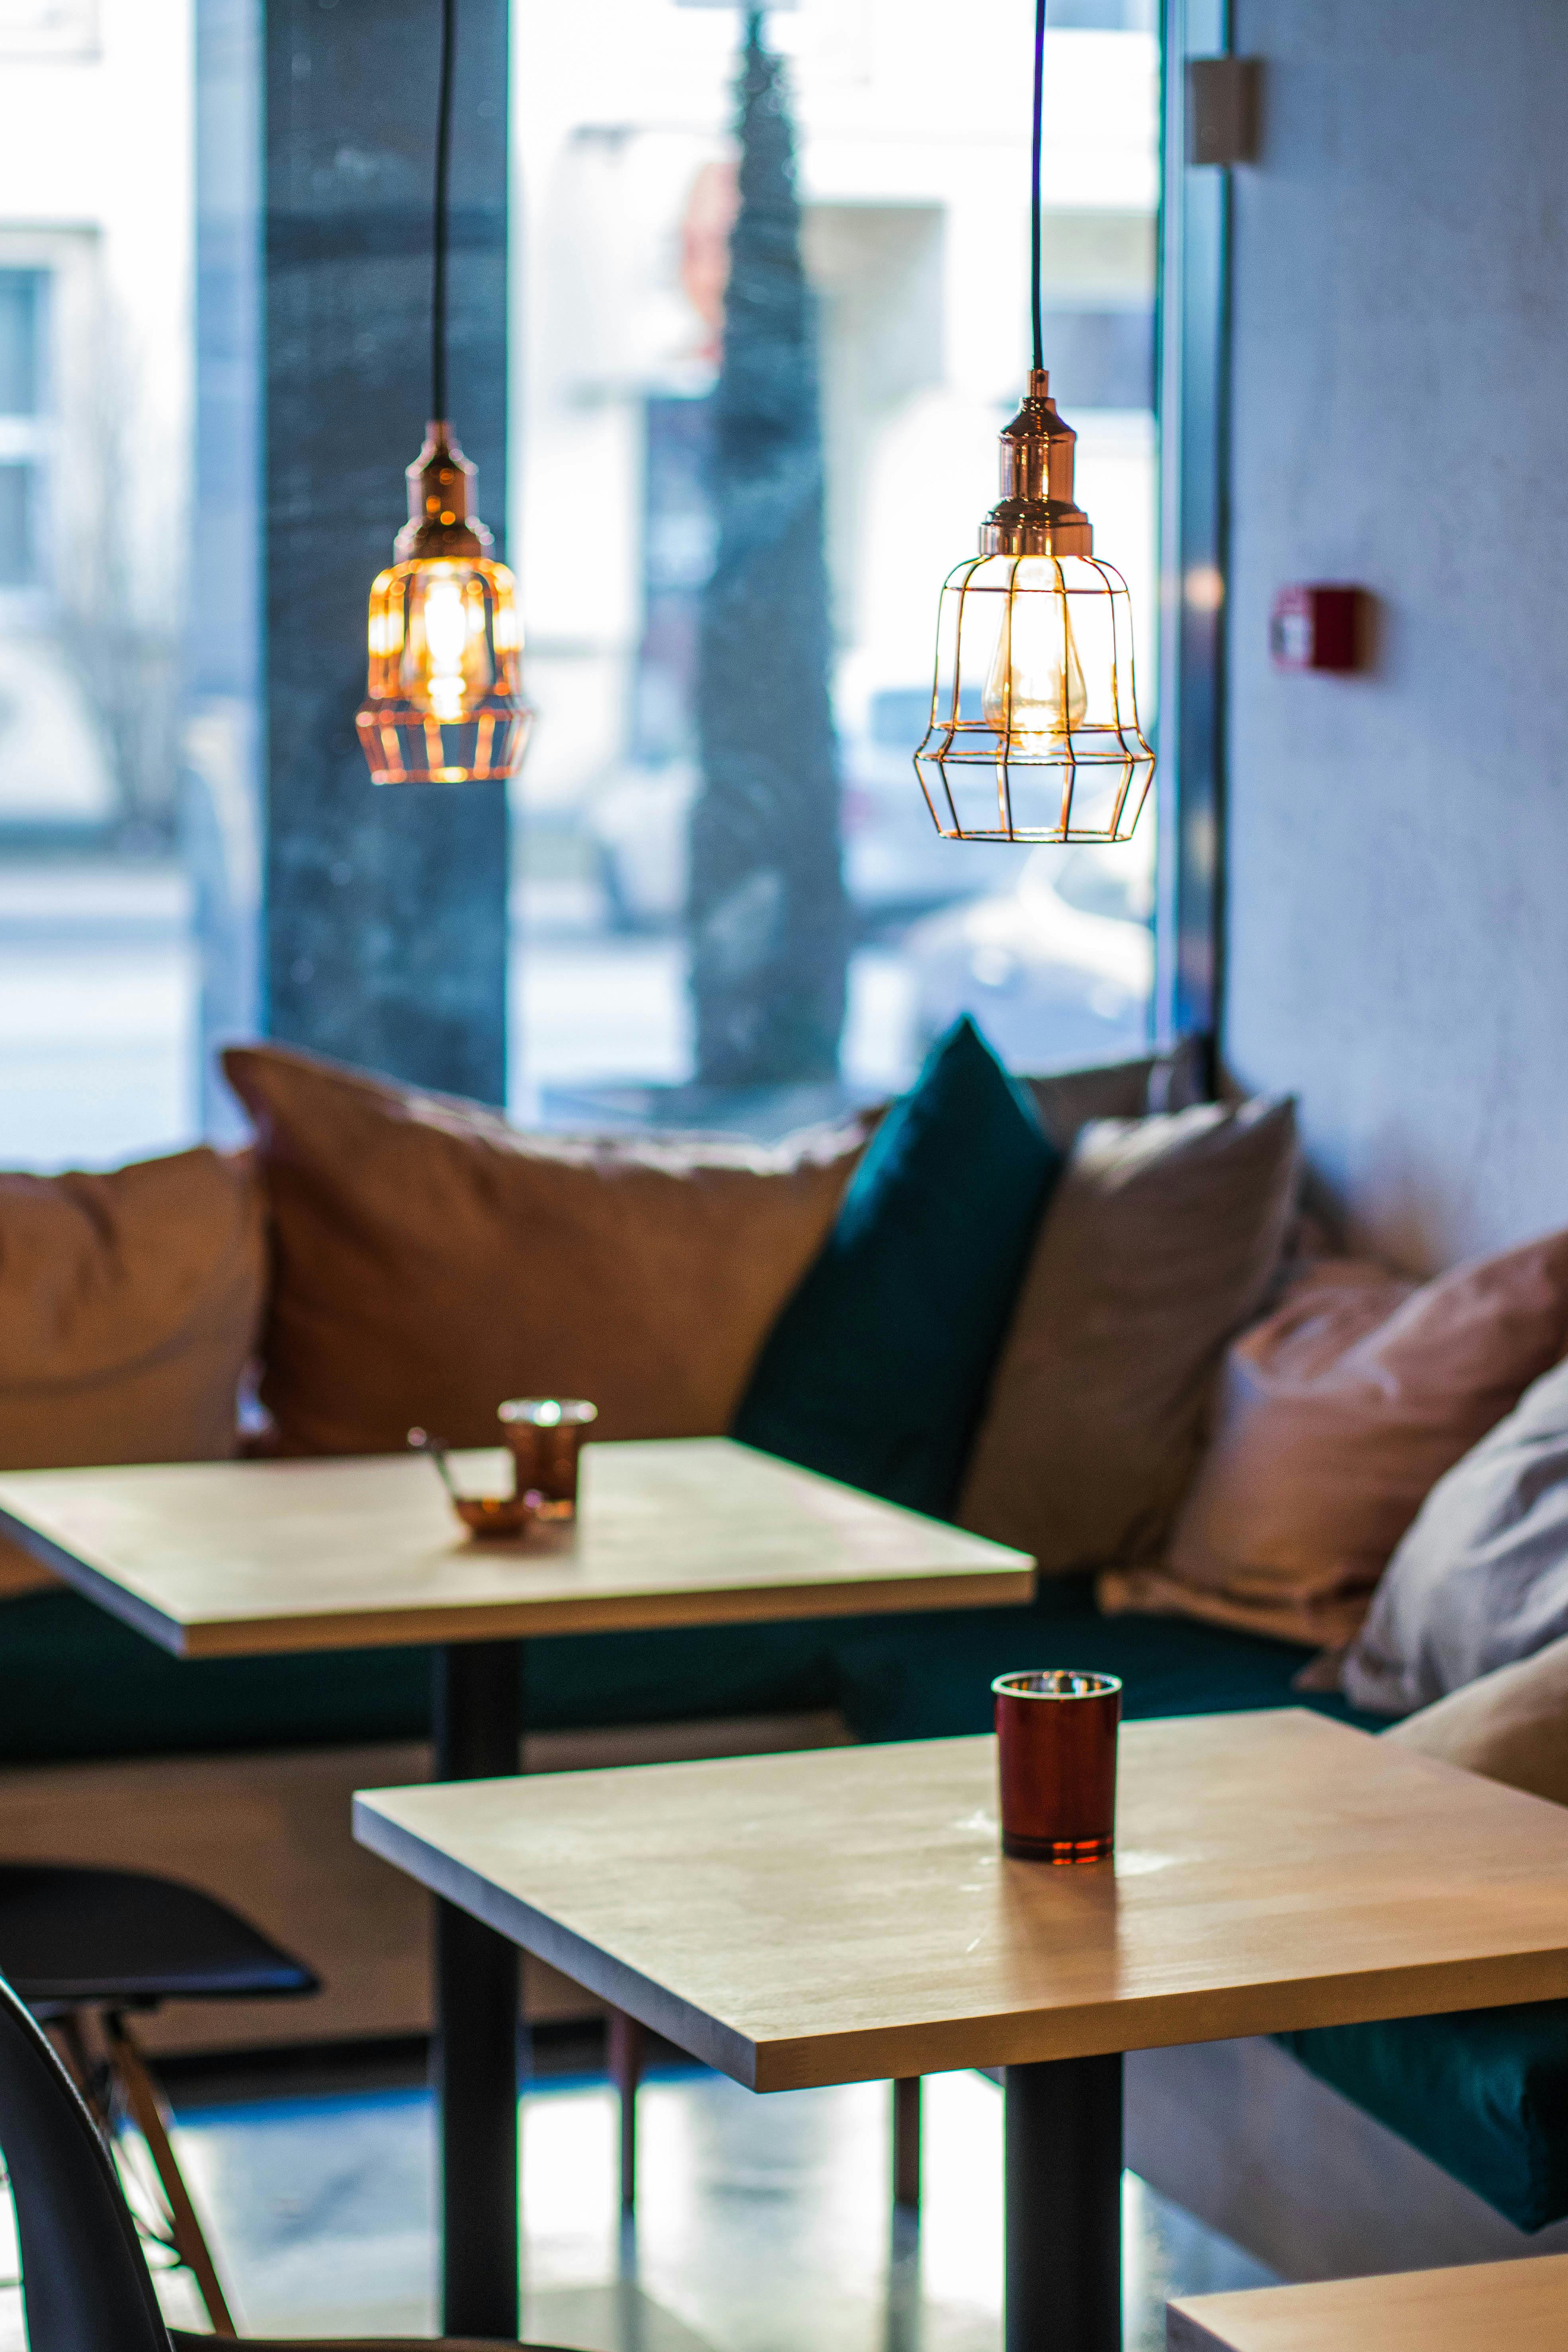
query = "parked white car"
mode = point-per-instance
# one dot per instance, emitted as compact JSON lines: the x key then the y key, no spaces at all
{"x":1058,"y":971}
{"x":895,"y":861}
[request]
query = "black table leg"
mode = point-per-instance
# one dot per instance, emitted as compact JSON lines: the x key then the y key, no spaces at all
{"x":1063,"y":2156}
{"x":477,"y":1720}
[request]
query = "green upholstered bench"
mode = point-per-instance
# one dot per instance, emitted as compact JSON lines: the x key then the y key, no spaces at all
{"x":76,"y":1684}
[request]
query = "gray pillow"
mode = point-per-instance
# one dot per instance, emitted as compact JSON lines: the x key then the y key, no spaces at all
{"x":1162,"y":1240}
{"x":1482,"y":1578}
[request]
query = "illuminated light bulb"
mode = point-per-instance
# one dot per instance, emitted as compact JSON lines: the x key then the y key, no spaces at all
{"x":444,"y":702}
{"x":1036,"y":689}
{"x":446,"y":643}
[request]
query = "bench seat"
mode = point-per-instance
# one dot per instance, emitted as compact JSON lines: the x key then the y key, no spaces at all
{"x":75,"y":1683}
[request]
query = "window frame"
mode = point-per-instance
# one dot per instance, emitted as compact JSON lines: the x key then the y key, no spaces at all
{"x":1194,"y":409}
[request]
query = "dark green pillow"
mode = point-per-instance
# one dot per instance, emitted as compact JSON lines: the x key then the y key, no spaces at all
{"x":876,"y":1369}
{"x":1482,"y":2092}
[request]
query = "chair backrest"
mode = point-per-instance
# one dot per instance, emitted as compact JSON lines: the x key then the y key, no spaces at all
{"x":84,"y":2278}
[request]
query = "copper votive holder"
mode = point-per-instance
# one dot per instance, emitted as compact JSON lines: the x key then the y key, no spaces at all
{"x":545,"y":1435}
{"x":1055,"y":1762}
{"x":483,"y":1515}
{"x":495,"y":1515}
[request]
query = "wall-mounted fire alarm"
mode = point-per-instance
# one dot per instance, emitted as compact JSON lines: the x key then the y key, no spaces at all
{"x":1317,"y":628}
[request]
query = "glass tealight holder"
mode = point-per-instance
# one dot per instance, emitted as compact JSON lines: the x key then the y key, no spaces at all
{"x":1056,"y":1762}
{"x":545,"y":1435}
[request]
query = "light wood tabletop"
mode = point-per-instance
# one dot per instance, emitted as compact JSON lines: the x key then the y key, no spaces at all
{"x":1485,"y":2307}
{"x":848,"y":1916}
{"x":229,"y":1559}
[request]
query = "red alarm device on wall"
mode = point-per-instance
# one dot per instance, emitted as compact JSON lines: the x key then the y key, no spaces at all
{"x":1316,"y":628}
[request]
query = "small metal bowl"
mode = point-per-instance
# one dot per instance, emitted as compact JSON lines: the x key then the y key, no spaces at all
{"x":495,"y":1515}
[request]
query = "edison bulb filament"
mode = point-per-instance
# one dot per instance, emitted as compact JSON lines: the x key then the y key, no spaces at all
{"x":1034,"y":690}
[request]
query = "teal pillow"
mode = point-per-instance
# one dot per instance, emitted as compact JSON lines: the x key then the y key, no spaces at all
{"x":876,"y":1369}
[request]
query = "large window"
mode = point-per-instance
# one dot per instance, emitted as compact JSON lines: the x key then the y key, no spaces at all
{"x":910,"y":124}
{"x":24,"y":295}
{"x":911,"y":127}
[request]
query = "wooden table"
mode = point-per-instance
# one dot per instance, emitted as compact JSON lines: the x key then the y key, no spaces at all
{"x":1485,"y":2307}
{"x":848,"y":1914}
{"x":246,"y":1558}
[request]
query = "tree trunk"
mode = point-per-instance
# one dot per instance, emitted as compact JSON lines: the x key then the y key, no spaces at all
{"x":767,"y":913}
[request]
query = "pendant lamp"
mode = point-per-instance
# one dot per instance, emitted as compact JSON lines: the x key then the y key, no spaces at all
{"x":444,"y":703}
{"x":1034,"y":731}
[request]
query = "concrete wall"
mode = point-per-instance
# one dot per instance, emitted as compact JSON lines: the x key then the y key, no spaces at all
{"x":1398,"y":842}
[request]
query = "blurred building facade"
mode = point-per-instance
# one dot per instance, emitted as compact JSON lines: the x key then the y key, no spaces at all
{"x":913,"y":173}
{"x":95,"y":403}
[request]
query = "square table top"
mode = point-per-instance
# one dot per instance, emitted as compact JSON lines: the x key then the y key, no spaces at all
{"x":1483,"y":2307}
{"x":236,"y":1558}
{"x":848,"y":1915}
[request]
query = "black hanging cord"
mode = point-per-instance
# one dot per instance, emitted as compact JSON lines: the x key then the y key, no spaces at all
{"x":443,"y":170}
{"x":1035,"y":181}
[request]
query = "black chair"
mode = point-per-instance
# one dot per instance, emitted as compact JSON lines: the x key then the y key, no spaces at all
{"x":81,"y":1944}
{"x":84,"y":2279}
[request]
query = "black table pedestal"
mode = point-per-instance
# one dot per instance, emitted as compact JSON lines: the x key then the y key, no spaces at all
{"x":1063,"y":2143}
{"x":477,"y":1721}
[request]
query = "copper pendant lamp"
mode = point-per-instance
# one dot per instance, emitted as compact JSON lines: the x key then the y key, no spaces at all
{"x":443,"y":702}
{"x":1034,"y":731}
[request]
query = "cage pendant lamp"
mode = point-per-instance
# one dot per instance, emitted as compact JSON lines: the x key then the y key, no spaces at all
{"x":1033,"y":733}
{"x":444,"y":698}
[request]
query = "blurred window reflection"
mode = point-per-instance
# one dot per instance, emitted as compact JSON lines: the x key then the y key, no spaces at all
{"x":22,"y":296}
{"x":911,"y":137}
{"x":911,"y":152}
{"x":97,"y":972}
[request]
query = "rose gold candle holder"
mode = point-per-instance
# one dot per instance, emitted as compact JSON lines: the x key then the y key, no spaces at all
{"x":1055,"y":1762}
{"x":495,"y":1515}
{"x":545,"y":1435}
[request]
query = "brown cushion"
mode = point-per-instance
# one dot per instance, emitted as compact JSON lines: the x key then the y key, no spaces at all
{"x":128,"y":1307}
{"x":1068,"y":1099}
{"x":430,"y":1260}
{"x":1511,"y":1724}
{"x":1162,"y":1240}
{"x":1337,"y":1416}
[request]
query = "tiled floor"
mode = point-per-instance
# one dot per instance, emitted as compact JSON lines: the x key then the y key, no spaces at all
{"x":763,"y":2225}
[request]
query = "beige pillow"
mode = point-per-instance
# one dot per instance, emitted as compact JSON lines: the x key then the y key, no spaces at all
{"x":1511,"y":1724}
{"x":129,"y":1305}
{"x":1160,"y":1241}
{"x":1336,"y":1415}
{"x":430,"y":1260}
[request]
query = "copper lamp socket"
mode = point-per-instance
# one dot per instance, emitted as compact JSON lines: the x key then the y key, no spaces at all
{"x":1036,"y":513}
{"x":439,"y":521}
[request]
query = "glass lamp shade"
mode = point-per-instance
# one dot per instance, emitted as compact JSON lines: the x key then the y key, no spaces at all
{"x":1034,"y":731}
{"x":444,"y":701}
